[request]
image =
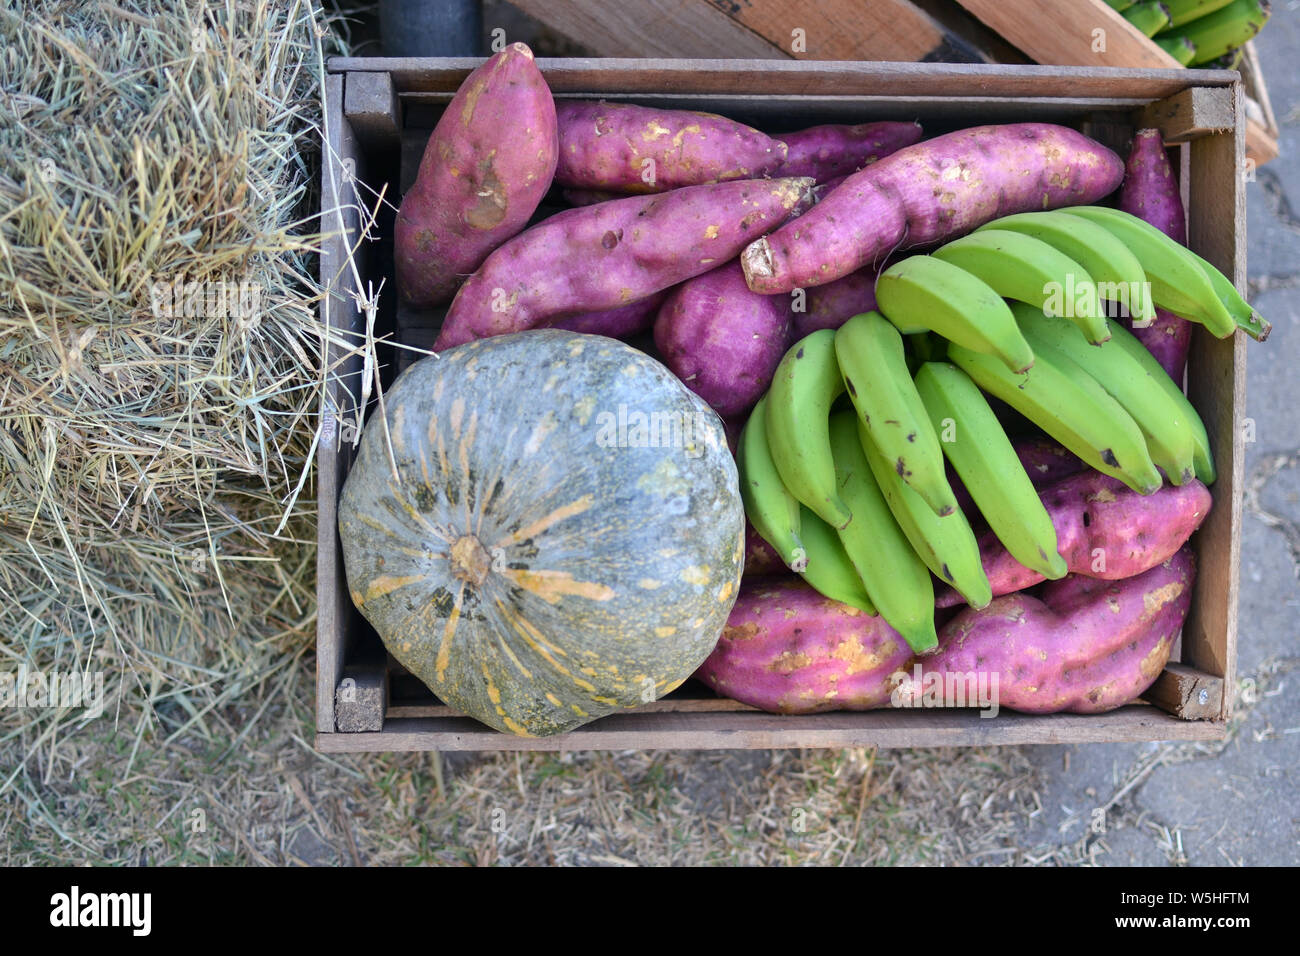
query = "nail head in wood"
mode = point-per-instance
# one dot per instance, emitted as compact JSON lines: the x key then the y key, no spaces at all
{"x":1187,"y":693}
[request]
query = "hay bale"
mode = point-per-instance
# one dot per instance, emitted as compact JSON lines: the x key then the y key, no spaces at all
{"x":160,"y":349}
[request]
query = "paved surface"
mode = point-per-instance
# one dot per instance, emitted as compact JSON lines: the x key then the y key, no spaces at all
{"x":1235,"y":803}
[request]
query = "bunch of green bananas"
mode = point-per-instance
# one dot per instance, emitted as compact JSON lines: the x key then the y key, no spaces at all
{"x":842,"y":462}
{"x":1197,"y":32}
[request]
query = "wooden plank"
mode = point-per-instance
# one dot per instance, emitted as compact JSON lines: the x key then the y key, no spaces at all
{"x":1080,"y":32}
{"x":590,"y":76}
{"x":340,"y":223}
{"x":1194,"y":112}
{"x":651,"y":28}
{"x":761,"y":731}
{"x":850,"y":30}
{"x":781,"y":113}
{"x":1262,"y":133}
{"x":1261,"y":146}
{"x":1187,"y":693}
{"x":1216,"y":382}
{"x":371,"y":108}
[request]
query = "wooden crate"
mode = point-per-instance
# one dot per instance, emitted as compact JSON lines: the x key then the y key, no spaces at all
{"x":380,"y":113}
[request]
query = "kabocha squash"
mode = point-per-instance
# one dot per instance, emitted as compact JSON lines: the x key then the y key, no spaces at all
{"x":562,"y":536}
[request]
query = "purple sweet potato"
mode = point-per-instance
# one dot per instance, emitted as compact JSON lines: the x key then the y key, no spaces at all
{"x":1151,"y":193}
{"x":615,"y":253}
{"x":825,"y":152}
{"x":1086,"y":647}
{"x":484,"y":172}
{"x":589,"y":197}
{"x":1045,"y":461}
{"x":722,"y":340}
{"x":636,"y":149}
{"x":1104,"y":530}
{"x":929,"y":192}
{"x":620,"y":323}
{"x":761,"y":559}
{"x":789,"y":650}
{"x":831,"y":305}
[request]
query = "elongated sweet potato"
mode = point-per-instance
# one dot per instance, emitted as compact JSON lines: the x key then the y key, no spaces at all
{"x":1151,"y":193}
{"x":1104,"y":530}
{"x":931,"y":191}
{"x":1086,"y":647}
{"x":825,"y":152}
{"x":761,"y":559}
{"x":620,"y":323}
{"x":790,"y":650}
{"x":636,"y":149}
{"x":484,"y":171}
{"x":723,"y":340}
{"x":614,"y":253}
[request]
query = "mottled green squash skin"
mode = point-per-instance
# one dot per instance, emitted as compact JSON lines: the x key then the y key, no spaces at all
{"x":534,"y":566}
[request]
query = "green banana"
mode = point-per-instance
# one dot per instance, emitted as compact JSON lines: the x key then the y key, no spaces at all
{"x":827,"y":567}
{"x":1168,"y":432}
{"x":986,"y":462}
{"x":1149,"y":18}
{"x":874,"y":368}
{"x":1185,"y":11}
{"x":1254,"y":324}
{"x":1118,"y":274}
{"x":1018,"y":266}
{"x":897,"y":581}
{"x":1202,"y":456}
{"x":1120,"y":5}
{"x":1065,"y":402}
{"x":771,"y":509}
{"x":1180,"y":48}
{"x":806,"y":383}
{"x":1178,"y":282}
{"x":946,"y":545}
{"x":923,"y":293}
{"x":1225,"y":29}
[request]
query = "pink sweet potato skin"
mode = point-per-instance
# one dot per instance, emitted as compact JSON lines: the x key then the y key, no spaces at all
{"x":1086,"y":647}
{"x":604,"y":146}
{"x":929,"y":192}
{"x":614,"y":253}
{"x":789,"y":650}
{"x":620,"y":323}
{"x":761,"y":559}
{"x":722,"y":340}
{"x":826,"y":152}
{"x":1098,"y":517}
{"x":589,"y":197}
{"x":1151,"y":193}
{"x":484,"y":172}
{"x":831,"y":305}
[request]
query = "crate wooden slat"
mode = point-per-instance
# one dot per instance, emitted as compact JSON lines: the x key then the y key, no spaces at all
{"x":831,"y":29}
{"x":1209,"y":125}
{"x":754,"y":730}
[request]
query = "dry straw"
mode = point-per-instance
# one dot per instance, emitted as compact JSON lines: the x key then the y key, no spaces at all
{"x":160,"y":354}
